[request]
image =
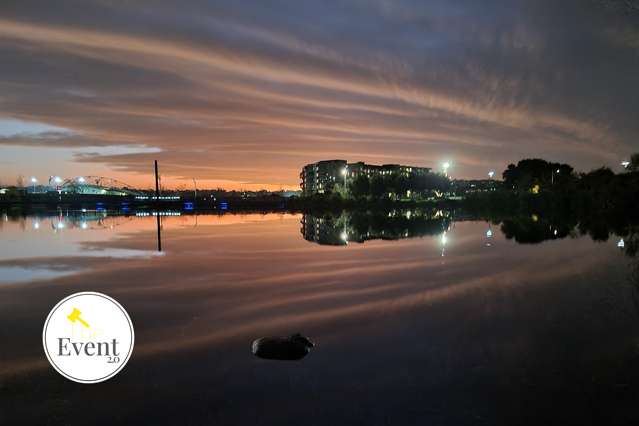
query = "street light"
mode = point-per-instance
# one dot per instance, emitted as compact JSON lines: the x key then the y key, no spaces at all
{"x":344,"y":172}
{"x":81,"y":179}
{"x":57,"y":179}
{"x":446,"y":166}
{"x":34,"y":181}
{"x":625,"y":164}
{"x":552,"y":177}
{"x":491,"y":174}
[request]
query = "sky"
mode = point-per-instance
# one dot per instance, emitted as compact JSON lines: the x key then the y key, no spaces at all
{"x":242,"y":94}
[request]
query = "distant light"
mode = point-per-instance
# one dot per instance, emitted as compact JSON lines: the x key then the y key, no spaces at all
{"x":554,"y":232}
{"x":36,"y":225}
{"x":444,"y":238}
{"x":60,"y":225}
{"x":34,"y":180}
{"x":57,"y":179}
{"x":81,"y":179}
{"x":621,"y":243}
{"x":491,"y":174}
{"x":557,"y":170}
{"x":344,"y":171}
{"x":489,"y":233}
{"x":84,"y":225}
{"x":446,"y":165}
{"x":344,"y":236}
{"x":625,"y":164}
{"x":84,"y":210}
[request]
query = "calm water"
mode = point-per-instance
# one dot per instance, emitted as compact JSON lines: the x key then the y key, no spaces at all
{"x":416,"y":321}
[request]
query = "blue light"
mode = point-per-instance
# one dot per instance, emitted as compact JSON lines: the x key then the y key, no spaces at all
{"x":188,"y":206}
{"x":224,"y":205}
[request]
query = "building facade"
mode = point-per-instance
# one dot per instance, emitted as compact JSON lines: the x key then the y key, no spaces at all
{"x":324,"y":176}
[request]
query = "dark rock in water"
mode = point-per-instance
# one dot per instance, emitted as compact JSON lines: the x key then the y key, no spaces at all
{"x":283,"y":348}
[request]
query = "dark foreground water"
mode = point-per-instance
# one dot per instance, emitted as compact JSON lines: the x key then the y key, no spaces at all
{"x":420,"y":322}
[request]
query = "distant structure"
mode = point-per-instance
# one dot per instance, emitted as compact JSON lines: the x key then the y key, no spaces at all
{"x":323,"y":176}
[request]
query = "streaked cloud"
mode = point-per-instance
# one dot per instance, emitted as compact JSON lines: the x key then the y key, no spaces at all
{"x":244,"y":96}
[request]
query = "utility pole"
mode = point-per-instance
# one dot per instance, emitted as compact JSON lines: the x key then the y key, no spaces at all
{"x":195,"y":190}
{"x":157,"y":182}
{"x":157,"y":203}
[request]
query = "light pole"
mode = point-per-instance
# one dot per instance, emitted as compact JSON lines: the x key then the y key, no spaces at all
{"x":34,"y":181}
{"x":344,"y":173}
{"x":446,"y":166}
{"x":195,"y":190}
{"x":552,"y":177}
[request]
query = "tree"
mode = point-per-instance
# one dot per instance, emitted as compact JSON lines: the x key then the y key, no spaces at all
{"x":634,"y":162}
{"x":530,"y":172}
{"x":361,"y":186}
{"x":378,"y":187}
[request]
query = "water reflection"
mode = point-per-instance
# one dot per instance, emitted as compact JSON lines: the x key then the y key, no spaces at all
{"x":357,"y":227}
{"x":498,"y":334}
{"x":49,"y":245}
{"x":340,"y":229}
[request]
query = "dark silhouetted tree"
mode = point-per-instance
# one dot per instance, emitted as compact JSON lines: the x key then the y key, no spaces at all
{"x":361,"y":186}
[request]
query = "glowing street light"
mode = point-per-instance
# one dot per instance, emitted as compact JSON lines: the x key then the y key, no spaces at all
{"x":344,"y":172}
{"x":625,"y":164}
{"x":445,"y":167}
{"x":57,"y":179}
{"x":81,"y":179}
{"x":34,"y":181}
{"x":491,"y":174}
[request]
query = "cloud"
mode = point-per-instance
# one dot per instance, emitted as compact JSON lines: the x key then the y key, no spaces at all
{"x":268,"y":89}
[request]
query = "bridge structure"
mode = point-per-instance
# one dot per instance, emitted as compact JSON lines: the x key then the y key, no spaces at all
{"x":92,"y":185}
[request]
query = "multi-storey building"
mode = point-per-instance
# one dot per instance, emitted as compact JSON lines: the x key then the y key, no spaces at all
{"x":321,"y":177}
{"x":324,"y":176}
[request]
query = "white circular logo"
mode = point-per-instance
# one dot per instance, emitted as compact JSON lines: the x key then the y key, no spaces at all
{"x":88,"y":337}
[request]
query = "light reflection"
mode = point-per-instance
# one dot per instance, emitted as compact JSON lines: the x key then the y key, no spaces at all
{"x":444,"y":241}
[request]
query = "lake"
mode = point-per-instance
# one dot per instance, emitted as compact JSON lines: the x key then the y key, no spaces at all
{"x":417,"y":318}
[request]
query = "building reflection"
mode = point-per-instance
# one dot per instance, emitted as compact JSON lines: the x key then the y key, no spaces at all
{"x":340,"y":229}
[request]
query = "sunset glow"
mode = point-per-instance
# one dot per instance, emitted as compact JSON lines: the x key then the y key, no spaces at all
{"x":241,"y":96}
